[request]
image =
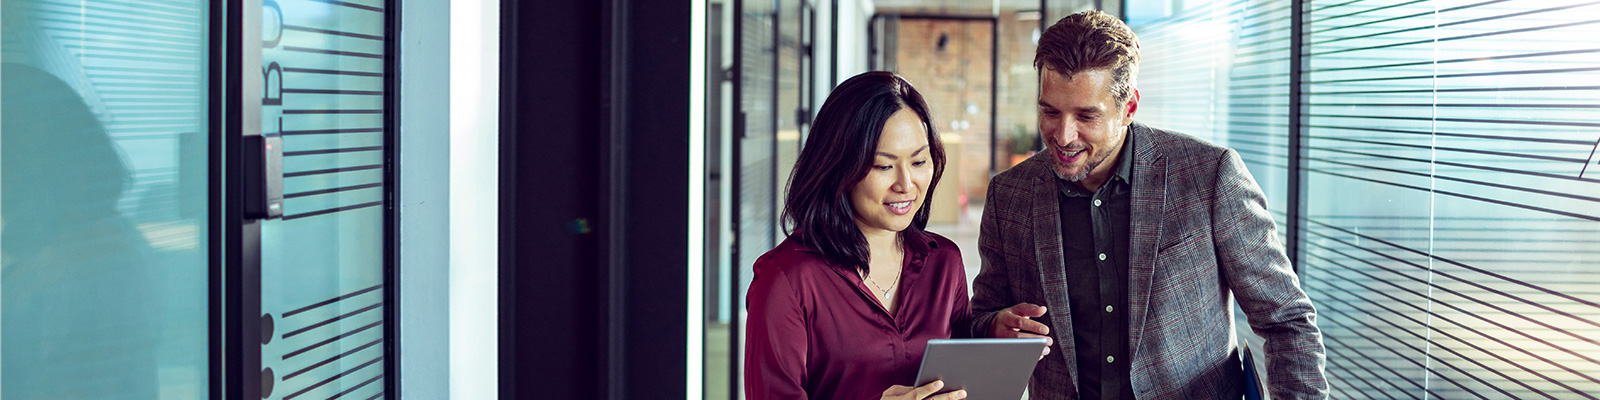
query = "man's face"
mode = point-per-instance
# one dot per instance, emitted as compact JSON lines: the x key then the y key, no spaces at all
{"x":1082,"y":124}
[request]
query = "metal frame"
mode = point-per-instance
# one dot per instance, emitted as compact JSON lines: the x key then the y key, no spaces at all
{"x":220,"y":236}
{"x":613,"y":195}
{"x":241,"y":257}
{"x":391,"y":209}
{"x":777,"y":87}
{"x":1295,"y":220}
{"x":736,"y":102}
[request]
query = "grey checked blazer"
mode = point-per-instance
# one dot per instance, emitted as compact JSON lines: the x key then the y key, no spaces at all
{"x":1200,"y":235}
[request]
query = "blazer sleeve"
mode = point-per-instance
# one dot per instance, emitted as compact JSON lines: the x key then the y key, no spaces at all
{"x":991,"y":290}
{"x":1257,"y":270}
{"x":775,"y":339}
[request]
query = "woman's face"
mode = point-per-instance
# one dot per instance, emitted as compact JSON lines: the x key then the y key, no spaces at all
{"x":897,"y":182}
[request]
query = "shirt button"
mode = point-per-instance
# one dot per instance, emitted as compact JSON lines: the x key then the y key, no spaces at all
{"x":1102,"y":256}
{"x":1108,"y":308}
{"x":1096,"y":202}
{"x":1110,"y":359}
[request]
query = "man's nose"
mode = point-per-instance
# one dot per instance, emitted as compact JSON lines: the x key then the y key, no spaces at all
{"x":1063,"y":134}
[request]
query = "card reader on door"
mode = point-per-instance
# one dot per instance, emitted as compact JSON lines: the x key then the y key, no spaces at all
{"x":263,"y":176}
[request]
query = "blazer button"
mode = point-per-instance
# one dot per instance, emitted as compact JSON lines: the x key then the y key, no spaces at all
{"x":1110,"y":359}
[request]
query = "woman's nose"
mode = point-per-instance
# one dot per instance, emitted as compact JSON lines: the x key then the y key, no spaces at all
{"x":902,"y":180}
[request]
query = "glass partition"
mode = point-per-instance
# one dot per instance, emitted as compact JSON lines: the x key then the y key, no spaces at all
{"x":103,"y":199}
{"x":323,"y":262}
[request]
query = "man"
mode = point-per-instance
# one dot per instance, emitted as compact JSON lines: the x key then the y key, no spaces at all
{"x":1126,"y":245}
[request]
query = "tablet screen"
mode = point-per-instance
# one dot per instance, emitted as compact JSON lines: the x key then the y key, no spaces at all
{"x":986,"y":368}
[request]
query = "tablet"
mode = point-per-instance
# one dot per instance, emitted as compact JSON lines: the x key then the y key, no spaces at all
{"x":988,"y":369}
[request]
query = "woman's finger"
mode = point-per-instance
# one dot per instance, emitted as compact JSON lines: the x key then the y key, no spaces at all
{"x":896,"y":390}
{"x":922,"y":392}
{"x":955,"y":395}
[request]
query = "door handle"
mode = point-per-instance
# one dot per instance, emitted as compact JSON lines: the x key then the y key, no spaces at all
{"x":263,"y":176}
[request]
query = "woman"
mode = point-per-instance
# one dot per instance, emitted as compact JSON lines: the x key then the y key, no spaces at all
{"x":844,"y":307}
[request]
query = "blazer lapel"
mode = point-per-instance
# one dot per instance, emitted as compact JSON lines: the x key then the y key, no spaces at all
{"x":1052,"y":273}
{"x":1145,"y":212}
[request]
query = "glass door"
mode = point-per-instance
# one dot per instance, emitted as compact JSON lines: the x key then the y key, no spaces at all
{"x":323,"y":258}
{"x":104,"y":187}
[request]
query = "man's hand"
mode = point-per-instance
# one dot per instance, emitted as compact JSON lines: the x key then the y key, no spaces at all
{"x":1017,"y":322}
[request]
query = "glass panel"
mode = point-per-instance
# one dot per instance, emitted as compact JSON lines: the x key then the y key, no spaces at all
{"x":1220,"y":71}
{"x":1464,"y":265}
{"x":719,"y":302}
{"x":951,"y":62}
{"x":1017,"y":116}
{"x":1516,"y":297}
{"x":323,"y":263}
{"x":790,"y":110}
{"x":757,"y":183}
{"x":103,"y":200}
{"x":1058,"y":9}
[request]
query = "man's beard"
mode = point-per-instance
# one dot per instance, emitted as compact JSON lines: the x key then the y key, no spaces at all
{"x":1081,"y":174}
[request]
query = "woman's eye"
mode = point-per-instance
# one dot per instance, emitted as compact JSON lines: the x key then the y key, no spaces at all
{"x":919,"y":163}
{"x":882,"y":167}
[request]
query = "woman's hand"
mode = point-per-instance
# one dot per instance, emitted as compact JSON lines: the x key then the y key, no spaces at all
{"x":898,"y":392}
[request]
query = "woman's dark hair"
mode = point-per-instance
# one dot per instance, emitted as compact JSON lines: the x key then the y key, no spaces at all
{"x":836,"y":156}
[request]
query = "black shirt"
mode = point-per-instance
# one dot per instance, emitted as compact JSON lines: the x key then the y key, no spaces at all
{"x":1094,"y":238}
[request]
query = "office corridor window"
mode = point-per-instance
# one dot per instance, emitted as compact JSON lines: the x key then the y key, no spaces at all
{"x":1450,"y":236}
{"x":1453,"y":214}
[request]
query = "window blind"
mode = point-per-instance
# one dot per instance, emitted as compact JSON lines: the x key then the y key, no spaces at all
{"x":1451,"y":229}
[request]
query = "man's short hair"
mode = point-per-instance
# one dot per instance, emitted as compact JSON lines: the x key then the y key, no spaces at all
{"x":1091,"y":40}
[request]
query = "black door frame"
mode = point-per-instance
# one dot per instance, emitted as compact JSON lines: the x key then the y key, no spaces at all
{"x":594,"y":198}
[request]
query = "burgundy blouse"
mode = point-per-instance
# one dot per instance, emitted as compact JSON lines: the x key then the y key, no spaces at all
{"x":815,"y":331}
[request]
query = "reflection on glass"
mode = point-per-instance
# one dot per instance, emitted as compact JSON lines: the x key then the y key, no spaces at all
{"x":102,"y":201}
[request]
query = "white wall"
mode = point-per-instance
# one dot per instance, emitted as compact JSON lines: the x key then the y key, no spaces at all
{"x":854,"y":18}
{"x":449,"y":165}
{"x":424,"y":199}
{"x":474,"y":198}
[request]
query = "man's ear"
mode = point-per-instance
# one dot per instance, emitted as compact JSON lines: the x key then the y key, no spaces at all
{"x":1133,"y":105}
